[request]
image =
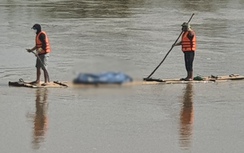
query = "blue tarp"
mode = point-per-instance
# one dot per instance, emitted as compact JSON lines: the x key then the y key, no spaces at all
{"x":102,"y":78}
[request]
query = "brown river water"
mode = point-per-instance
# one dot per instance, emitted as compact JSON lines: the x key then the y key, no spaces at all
{"x":130,"y":36}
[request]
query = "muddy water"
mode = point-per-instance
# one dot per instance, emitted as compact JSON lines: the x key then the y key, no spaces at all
{"x":132,"y":37}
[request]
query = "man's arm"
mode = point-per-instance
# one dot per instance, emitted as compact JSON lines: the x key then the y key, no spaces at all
{"x":32,"y":49}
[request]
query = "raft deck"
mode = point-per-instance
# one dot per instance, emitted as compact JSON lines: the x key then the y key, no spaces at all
{"x":58,"y":84}
{"x":198,"y":79}
{"x":21,"y":83}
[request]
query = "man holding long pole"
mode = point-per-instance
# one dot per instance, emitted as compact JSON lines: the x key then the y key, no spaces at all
{"x":175,"y":43}
{"x":189,"y":45}
{"x":43,"y":49}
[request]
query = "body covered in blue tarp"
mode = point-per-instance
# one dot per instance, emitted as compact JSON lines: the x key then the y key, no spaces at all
{"x":102,"y":78}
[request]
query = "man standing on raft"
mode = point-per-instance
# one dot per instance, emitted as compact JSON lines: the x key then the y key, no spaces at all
{"x":43,"y":49}
{"x":189,"y":44}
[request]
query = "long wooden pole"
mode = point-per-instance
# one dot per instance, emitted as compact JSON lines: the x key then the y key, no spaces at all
{"x":148,"y":78}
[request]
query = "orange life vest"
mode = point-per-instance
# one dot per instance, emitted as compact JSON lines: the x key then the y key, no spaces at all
{"x":187,"y":44}
{"x":39,"y":43}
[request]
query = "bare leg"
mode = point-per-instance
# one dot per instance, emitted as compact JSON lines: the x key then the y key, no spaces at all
{"x":38,"y":74}
{"x":46,"y":76}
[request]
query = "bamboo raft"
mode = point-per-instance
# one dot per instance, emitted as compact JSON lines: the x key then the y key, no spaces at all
{"x":22,"y":83}
{"x":199,"y":79}
{"x":145,"y":81}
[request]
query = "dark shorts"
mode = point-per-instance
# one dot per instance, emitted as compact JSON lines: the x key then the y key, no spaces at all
{"x":43,"y":62}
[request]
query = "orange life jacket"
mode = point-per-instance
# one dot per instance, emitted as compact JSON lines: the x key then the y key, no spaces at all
{"x":39,"y":43}
{"x":187,"y":44}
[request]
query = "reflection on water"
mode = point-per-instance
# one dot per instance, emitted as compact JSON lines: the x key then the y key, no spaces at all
{"x":80,"y":9}
{"x":91,"y":9}
{"x":207,"y":5}
{"x":186,"y":117}
{"x":40,"y":118}
{"x":125,"y":35}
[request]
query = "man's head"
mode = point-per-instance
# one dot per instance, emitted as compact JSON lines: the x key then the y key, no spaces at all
{"x":185,"y":26}
{"x":37,"y":28}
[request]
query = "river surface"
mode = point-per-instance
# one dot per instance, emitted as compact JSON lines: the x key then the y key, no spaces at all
{"x":130,"y":36}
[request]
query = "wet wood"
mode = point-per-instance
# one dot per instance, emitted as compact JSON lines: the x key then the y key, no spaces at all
{"x":54,"y":84}
{"x":63,"y":84}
